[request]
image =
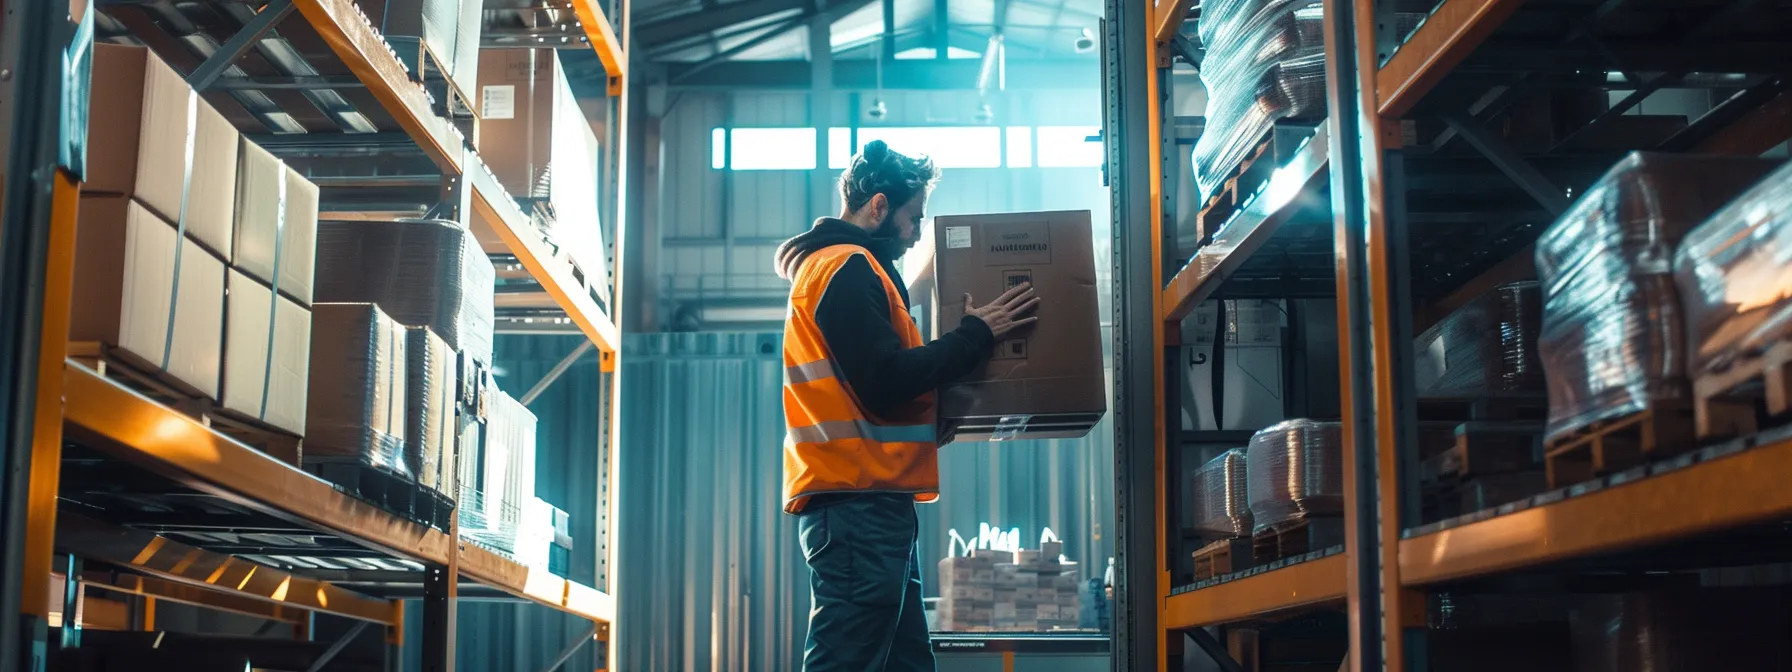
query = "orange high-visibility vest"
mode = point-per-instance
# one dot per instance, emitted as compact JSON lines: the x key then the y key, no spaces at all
{"x":832,"y":444}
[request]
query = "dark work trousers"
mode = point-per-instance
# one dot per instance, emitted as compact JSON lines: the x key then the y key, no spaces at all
{"x":865,"y":582}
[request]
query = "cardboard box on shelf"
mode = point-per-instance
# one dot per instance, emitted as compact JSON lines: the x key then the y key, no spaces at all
{"x":276,"y":223}
{"x":267,"y":355}
{"x":150,"y":136}
{"x":537,"y":142}
{"x":429,"y":407}
{"x":356,"y":395}
{"x":1044,"y":381}
{"x":153,"y":297}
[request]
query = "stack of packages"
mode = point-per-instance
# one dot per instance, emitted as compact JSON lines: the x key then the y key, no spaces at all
{"x":357,"y":394}
{"x":431,"y":277}
{"x":1220,"y":504}
{"x":539,"y":145}
{"x":1612,"y":337}
{"x":1036,"y":592}
{"x":1295,"y":471}
{"x":445,"y":33}
{"x":1487,"y":346}
{"x":968,"y":591}
{"x":1265,"y":62}
{"x":171,"y":223}
{"x":503,"y":478}
{"x":1734,"y":273}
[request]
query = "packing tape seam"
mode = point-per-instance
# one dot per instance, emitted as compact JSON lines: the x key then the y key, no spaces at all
{"x":267,"y":365}
{"x":180,"y":227}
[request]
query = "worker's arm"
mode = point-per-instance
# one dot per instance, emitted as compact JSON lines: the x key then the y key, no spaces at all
{"x":854,"y":316}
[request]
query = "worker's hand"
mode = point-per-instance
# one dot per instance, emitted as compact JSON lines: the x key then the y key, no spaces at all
{"x":1004,"y":314}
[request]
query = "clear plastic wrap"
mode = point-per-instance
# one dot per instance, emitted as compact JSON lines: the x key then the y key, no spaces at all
{"x":429,"y":408}
{"x":1487,"y":345}
{"x":1734,"y":273}
{"x":1295,"y":469}
{"x":1221,"y":505}
{"x":422,"y":272}
{"x":356,"y":397}
{"x":1611,"y":343}
{"x":1266,"y":62}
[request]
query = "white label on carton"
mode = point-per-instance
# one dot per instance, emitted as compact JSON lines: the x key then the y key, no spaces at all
{"x":498,"y":102}
{"x":958,"y":237}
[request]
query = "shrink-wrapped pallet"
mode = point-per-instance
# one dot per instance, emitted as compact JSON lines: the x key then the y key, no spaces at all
{"x":1487,"y":345}
{"x":1265,"y":62}
{"x":424,"y":273}
{"x":429,"y":423}
{"x":1295,"y":469}
{"x":356,"y":396}
{"x":1734,"y":273}
{"x":1612,"y":342}
{"x":507,"y":473}
{"x":1221,"y":502}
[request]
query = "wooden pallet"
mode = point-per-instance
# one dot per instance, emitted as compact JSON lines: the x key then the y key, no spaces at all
{"x":1740,"y":399}
{"x":1241,"y":182}
{"x":396,"y":493}
{"x":1621,"y":443}
{"x":1222,"y":557}
{"x":139,"y":375}
{"x":1499,"y":406}
{"x":1482,"y":448}
{"x":1296,"y":538}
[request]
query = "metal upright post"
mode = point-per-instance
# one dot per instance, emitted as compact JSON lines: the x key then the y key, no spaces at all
{"x":1129,"y":72}
{"x":43,"y":99}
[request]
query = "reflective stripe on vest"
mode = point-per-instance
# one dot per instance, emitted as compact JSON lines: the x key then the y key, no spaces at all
{"x":832,"y":444}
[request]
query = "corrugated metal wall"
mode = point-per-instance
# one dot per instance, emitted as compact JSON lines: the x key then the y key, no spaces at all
{"x":714,"y":575}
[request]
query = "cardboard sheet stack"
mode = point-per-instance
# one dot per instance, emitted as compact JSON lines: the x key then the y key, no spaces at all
{"x":357,"y":391}
{"x":429,"y":421}
{"x":1734,"y":273}
{"x":504,"y":469}
{"x":1613,"y":338}
{"x":424,"y":273}
{"x":1024,"y":591}
{"x":178,"y":213}
{"x":1488,"y":345}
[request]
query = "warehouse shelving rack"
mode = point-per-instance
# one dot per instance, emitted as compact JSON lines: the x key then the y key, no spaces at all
{"x":68,"y":428}
{"x":1394,"y":273}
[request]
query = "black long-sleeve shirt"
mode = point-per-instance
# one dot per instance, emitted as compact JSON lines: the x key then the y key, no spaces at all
{"x":854,"y":317}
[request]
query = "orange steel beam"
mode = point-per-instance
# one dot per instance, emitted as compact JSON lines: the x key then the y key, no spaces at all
{"x":1761,"y":129}
{"x":153,"y":588}
{"x":1452,"y":31}
{"x":536,"y":585}
{"x":1168,"y":17}
{"x":342,"y":26}
{"x":1154,"y":114}
{"x":46,"y":440}
{"x":166,"y":559}
{"x":1732,"y":491}
{"x":603,"y":39}
{"x":119,"y":422}
{"x":1308,"y":585}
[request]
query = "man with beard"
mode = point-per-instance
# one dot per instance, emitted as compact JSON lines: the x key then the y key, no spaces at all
{"x":861,"y":442}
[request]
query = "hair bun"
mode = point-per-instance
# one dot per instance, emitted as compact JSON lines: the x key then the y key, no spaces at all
{"x":876,"y":151}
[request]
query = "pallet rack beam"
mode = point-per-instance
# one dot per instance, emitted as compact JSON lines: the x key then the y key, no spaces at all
{"x":1453,"y":30}
{"x":1254,"y":225}
{"x":602,"y":35}
{"x":156,"y":588}
{"x":166,"y":559}
{"x":1300,"y":586}
{"x":1723,"y":492}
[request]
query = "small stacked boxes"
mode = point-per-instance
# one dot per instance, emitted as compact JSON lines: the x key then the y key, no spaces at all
{"x":967,"y":592}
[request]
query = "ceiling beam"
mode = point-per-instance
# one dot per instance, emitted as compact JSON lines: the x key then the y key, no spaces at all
{"x":906,"y":74}
{"x":686,"y":26}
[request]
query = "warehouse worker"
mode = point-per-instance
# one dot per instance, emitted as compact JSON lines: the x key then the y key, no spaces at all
{"x":859,"y":409}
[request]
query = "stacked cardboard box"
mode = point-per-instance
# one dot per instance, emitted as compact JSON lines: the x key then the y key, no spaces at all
{"x":967,"y":592}
{"x":539,"y":145}
{"x":424,"y":273}
{"x":357,"y":389}
{"x":268,"y":315}
{"x":1036,"y":592}
{"x":155,"y":229}
{"x":446,"y":32}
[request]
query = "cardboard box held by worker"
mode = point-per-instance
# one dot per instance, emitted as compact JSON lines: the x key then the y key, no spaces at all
{"x":1045,"y":381}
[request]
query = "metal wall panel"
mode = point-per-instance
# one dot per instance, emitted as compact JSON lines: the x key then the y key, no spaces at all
{"x":716,"y":578}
